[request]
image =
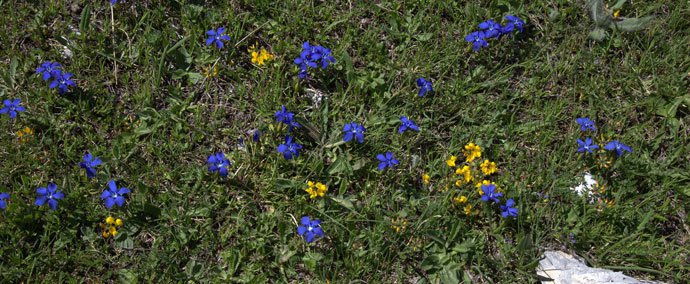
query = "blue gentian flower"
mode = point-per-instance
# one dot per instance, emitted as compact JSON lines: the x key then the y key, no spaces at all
{"x":216,"y":37}
{"x":491,"y":28}
{"x":477,"y":40}
{"x":287,"y":117}
{"x":309,"y":229}
{"x":3,"y":196}
{"x":289,"y":149}
{"x":326,"y":57}
{"x":218,"y":163}
{"x":310,"y":56}
{"x":424,"y":87}
{"x":353,"y":130}
{"x":62,"y":82}
{"x":89,"y":164}
{"x":508,"y":209}
{"x":618,"y":146}
{"x":256,"y":135}
{"x":50,"y":194}
{"x":49,"y":70}
{"x":513,"y":23}
{"x":12,"y":107}
{"x":586,"y":124}
{"x":112,"y":2}
{"x":387,"y":160}
{"x":112,"y":195}
{"x":490,"y":193}
{"x":407,"y":124}
{"x":586,"y":146}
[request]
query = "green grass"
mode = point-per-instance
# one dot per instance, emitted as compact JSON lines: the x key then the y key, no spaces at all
{"x":143,"y":106}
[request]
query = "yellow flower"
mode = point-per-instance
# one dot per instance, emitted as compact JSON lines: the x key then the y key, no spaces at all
{"x":321,"y":189}
{"x":468,"y":209}
{"x":488,"y":167}
{"x":465,"y":172}
{"x":472,"y":152}
{"x":110,"y":226}
{"x":261,"y":56}
{"x":210,"y":72}
{"x":451,"y":161}
{"x":23,"y":134}
{"x":316,"y":189}
{"x":399,"y":225}
{"x":461,"y":199}
{"x":617,"y":13}
{"x":425,"y":179}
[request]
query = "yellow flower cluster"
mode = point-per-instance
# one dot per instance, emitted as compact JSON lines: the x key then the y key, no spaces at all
{"x":210,"y":72}
{"x":399,"y":225}
{"x":261,"y":56}
{"x":316,"y":189}
{"x":472,"y":152}
{"x":468,"y":172}
{"x":488,"y":167}
{"x":110,"y":226}
{"x":23,"y":135}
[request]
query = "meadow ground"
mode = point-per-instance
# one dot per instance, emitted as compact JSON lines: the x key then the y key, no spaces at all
{"x":148,"y":103}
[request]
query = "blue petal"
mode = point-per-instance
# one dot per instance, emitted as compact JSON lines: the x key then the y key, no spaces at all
{"x":109,"y":202}
{"x":112,"y":186}
{"x":305,"y":220}
{"x":301,"y":230}
{"x":41,"y":200}
{"x":120,"y":200}
{"x":53,"y":204}
{"x":106,"y":194}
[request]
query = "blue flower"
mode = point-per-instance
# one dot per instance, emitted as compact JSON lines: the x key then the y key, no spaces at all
{"x":513,"y":23}
{"x":309,"y":229}
{"x":490,"y":193}
{"x":112,"y":195}
{"x":491,"y":28}
{"x":387,"y":160}
{"x":477,"y":40}
{"x":310,"y":57}
{"x":62,"y":82}
{"x":289,"y":149}
{"x":618,"y":146}
{"x":586,"y":124}
{"x":12,"y":107}
{"x":112,"y":2}
{"x":50,"y":194}
{"x":287,"y":117}
{"x":218,"y":163}
{"x":586,"y":146}
{"x":508,"y":209}
{"x":353,"y":130}
{"x":216,"y":37}
{"x":89,"y":164}
{"x":424,"y":87}
{"x":3,"y":196}
{"x":256,"y":135}
{"x":407,"y":124}
{"x":49,"y":70}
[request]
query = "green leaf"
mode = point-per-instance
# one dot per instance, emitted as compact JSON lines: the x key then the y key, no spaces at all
{"x":632,"y":24}
{"x":600,"y":16}
{"x":598,"y":34}
{"x":341,"y":165}
{"x":85,"y":19}
{"x":449,"y":275}
{"x":618,"y":5}
{"x":344,"y":202}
